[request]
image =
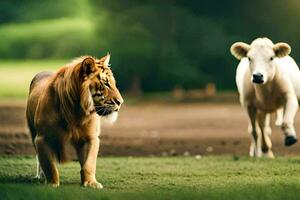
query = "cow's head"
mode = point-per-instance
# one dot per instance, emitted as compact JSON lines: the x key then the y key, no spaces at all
{"x":262,"y":55}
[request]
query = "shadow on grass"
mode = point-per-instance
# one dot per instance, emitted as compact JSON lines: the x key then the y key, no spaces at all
{"x":245,"y":192}
{"x":30,"y":180}
{"x":19,"y":179}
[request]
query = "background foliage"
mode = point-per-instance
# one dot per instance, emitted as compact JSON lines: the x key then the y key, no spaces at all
{"x":156,"y":45}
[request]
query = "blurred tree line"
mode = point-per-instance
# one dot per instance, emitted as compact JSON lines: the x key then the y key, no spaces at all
{"x":155,"y":45}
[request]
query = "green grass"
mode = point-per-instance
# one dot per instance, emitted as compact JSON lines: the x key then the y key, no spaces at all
{"x":160,"y":178}
{"x":53,"y":38}
{"x":17,"y":75}
{"x":45,"y":28}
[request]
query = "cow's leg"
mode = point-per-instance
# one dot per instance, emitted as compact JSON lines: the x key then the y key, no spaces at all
{"x":253,"y":128}
{"x":264,"y":124}
{"x":47,"y":161}
{"x":87,"y":154}
{"x":279,"y":117}
{"x":287,"y":126}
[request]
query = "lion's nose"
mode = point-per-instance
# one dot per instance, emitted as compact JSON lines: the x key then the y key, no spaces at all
{"x":118,"y":101}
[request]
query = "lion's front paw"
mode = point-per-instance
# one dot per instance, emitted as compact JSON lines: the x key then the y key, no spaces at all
{"x":93,"y":184}
{"x":55,"y":185}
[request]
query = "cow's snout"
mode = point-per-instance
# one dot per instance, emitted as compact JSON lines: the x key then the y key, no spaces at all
{"x":258,"y":78}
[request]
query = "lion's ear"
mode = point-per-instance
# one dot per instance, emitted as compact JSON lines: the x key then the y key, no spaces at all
{"x":88,"y":66}
{"x":105,"y":60}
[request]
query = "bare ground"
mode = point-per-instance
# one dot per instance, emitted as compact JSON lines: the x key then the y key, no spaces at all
{"x":157,"y":129}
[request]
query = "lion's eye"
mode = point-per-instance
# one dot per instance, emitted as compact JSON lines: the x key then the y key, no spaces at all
{"x":107,"y":84}
{"x":98,"y":97}
{"x":272,"y":58}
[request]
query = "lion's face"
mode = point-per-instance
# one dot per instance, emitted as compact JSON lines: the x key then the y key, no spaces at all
{"x":104,"y":96}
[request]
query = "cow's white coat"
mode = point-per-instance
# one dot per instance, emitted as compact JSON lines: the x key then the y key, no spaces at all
{"x":278,"y":91}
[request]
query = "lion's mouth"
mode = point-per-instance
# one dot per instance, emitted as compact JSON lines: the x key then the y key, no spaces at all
{"x":104,"y":111}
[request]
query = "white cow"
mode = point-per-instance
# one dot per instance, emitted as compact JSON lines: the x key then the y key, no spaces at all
{"x":268,"y":80}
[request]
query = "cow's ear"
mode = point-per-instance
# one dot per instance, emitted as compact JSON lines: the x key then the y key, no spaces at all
{"x":239,"y":50}
{"x":282,"y":49}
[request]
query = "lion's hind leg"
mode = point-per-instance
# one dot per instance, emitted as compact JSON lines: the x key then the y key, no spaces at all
{"x":38,"y":168}
{"x":47,"y":161}
{"x":39,"y":172}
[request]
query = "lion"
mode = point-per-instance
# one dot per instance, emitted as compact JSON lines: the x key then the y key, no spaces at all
{"x":65,"y":108}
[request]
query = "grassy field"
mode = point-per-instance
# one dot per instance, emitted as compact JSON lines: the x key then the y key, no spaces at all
{"x":17,"y":75}
{"x":160,"y":178}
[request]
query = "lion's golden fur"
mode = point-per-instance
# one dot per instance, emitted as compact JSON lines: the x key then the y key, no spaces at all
{"x":61,"y":110}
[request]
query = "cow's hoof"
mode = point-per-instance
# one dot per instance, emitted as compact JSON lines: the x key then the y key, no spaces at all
{"x":269,"y":154}
{"x":290,"y":140}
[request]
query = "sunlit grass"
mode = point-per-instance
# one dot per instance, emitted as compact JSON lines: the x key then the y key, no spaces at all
{"x":45,"y":28}
{"x":160,"y":178}
{"x":17,"y":75}
{"x":53,"y":38}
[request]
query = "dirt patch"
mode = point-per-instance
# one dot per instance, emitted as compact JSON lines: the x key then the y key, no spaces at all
{"x":157,"y":129}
